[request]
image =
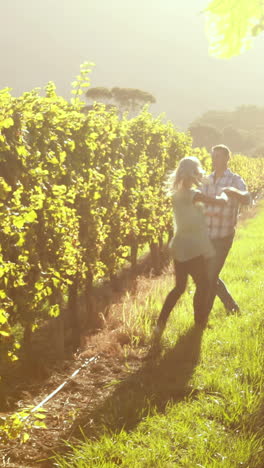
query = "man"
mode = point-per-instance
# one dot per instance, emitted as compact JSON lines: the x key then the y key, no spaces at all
{"x":221,"y":221}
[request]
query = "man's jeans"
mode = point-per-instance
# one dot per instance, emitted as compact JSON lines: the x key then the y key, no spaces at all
{"x":215,"y":265}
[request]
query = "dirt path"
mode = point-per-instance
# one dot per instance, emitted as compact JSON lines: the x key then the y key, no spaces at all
{"x":87,"y":391}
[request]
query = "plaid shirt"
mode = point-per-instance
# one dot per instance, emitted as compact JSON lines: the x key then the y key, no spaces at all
{"x":221,"y":220}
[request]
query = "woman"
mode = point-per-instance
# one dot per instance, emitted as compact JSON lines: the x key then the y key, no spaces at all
{"x":190,"y":246}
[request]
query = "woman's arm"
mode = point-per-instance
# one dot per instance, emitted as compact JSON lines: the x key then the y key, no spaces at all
{"x":219,"y":200}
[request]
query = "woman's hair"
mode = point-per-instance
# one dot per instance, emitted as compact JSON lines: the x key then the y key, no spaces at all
{"x":188,"y":170}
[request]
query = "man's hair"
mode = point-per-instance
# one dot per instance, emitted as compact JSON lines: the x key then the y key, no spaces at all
{"x":226,"y":151}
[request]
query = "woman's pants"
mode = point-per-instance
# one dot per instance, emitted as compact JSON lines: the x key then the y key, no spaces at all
{"x":196,"y":267}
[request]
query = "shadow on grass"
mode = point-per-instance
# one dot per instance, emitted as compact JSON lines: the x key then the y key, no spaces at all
{"x":159,"y":380}
{"x":36,"y":365}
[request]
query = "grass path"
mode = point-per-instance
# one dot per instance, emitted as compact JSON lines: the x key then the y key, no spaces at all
{"x":200,"y":402}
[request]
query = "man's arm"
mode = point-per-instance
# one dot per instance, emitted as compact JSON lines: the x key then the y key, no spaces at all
{"x":242,"y":196}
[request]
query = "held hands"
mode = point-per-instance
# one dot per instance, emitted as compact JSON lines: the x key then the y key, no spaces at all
{"x":222,"y":199}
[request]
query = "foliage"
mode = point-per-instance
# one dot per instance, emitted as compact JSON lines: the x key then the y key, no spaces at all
{"x":99,"y":92}
{"x":204,"y":135}
{"x":76,"y":193}
{"x":231,"y":29}
{"x":79,"y":195}
{"x":241,"y":129}
{"x":82,"y":81}
{"x":131,"y":99}
{"x":125,"y":99}
{"x":19,"y":425}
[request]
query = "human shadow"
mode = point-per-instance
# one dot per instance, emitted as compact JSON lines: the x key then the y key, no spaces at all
{"x":161,"y":379}
{"x":35,"y":367}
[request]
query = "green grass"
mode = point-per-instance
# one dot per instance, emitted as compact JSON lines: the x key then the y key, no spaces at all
{"x":200,"y":402}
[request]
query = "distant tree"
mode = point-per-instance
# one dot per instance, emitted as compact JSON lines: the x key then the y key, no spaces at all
{"x":249,"y":141}
{"x":215,"y":118}
{"x":242,"y":129}
{"x":131,"y":99}
{"x":125,"y":99}
{"x":248,"y":117}
{"x":99,"y":94}
{"x":258,"y":152}
{"x":205,"y":136}
{"x":233,"y":139}
{"x":232,"y":25}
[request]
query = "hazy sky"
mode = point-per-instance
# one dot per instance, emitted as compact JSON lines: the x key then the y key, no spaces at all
{"x":155,"y":45}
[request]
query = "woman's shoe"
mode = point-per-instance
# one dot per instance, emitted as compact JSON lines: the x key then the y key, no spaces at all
{"x":158,"y":332}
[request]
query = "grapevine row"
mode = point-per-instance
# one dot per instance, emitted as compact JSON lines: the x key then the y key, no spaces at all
{"x":79,"y":194}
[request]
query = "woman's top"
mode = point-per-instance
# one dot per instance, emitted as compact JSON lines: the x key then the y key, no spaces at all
{"x":190,"y":238}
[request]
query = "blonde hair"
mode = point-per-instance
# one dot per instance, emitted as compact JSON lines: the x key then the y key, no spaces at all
{"x":188,"y":170}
